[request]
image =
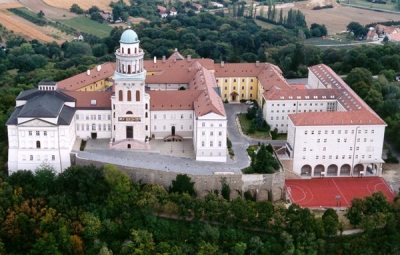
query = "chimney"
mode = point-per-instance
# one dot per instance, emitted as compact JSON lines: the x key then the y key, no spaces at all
{"x":176,"y":49}
{"x":189,"y":58}
{"x":257,"y":63}
{"x":98,"y":68}
{"x":155,"y":60}
{"x":88,"y":72}
{"x":222,"y":63}
{"x":163,"y":59}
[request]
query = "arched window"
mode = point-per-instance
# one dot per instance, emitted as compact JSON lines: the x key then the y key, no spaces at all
{"x":37,"y":144}
{"x":120,"y":95}
{"x":135,"y":50}
{"x":129,"y":68}
{"x":129,"y":95}
{"x":122,"y":48}
{"x":146,"y":115}
{"x":146,"y":106}
{"x":137,"y":95}
{"x":129,"y":50}
{"x":128,"y":113}
{"x":123,"y":68}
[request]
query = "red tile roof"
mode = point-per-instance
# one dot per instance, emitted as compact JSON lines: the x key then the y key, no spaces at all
{"x":83,"y":79}
{"x":172,"y":99}
{"x":91,"y":100}
{"x":357,"y":111}
{"x":362,"y":117}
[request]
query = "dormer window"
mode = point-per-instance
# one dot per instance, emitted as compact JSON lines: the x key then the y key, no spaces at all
{"x":93,"y":102}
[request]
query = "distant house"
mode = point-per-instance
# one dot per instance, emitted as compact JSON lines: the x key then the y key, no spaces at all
{"x":79,"y":38}
{"x":216,"y":5}
{"x":372,"y":35}
{"x":162,"y":11}
{"x":173,"y":12}
{"x":197,"y":7}
{"x":382,"y":31}
{"x":107,"y":16}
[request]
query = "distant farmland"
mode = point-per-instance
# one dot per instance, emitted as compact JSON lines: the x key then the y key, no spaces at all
{"x":336,"y":19}
{"x":84,"y":4}
{"x":89,"y":26}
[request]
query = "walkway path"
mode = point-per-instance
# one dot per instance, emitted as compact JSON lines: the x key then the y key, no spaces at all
{"x":98,"y":150}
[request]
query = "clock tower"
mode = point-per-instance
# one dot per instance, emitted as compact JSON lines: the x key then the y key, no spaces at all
{"x":130,"y":102}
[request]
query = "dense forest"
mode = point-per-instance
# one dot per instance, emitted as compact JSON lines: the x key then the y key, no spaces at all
{"x":86,"y":210}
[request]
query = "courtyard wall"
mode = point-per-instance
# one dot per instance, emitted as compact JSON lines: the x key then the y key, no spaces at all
{"x":262,"y":186}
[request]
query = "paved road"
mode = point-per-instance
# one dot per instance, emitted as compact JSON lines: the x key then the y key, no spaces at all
{"x":98,"y":151}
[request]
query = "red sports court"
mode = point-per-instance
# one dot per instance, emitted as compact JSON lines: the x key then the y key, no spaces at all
{"x":335,"y":192}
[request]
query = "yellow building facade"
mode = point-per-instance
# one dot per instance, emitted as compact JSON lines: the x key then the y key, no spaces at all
{"x":234,"y":89}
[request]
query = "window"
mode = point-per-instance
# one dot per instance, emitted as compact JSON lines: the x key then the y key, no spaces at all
{"x":146,"y":106}
{"x":77,"y":117}
{"x":30,"y":133}
{"x":120,"y":95}
{"x":45,"y":133}
{"x":203,"y":133}
{"x":37,"y":133}
{"x":30,"y":157}
{"x":93,"y":127}
{"x":109,"y":117}
{"x":147,"y":127}
{"x":211,"y":133}
{"x":129,"y":113}
{"x":211,"y":143}
{"x":129,"y":95}
{"x":220,"y":133}
{"x":181,"y":116}
{"x":219,"y":143}
{"x":53,"y":157}
{"x":99,"y":127}
{"x":37,"y":144}
{"x":202,"y":144}
{"x":137,"y":96}
{"x":155,"y":116}
{"x":203,"y":124}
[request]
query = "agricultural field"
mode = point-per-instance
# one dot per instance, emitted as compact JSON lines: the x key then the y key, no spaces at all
{"x":49,"y":11}
{"x":89,"y":26}
{"x":25,"y":28}
{"x":84,"y":4}
{"x":336,"y":19}
{"x":389,"y":6}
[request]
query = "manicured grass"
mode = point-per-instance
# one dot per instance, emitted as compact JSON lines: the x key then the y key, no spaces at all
{"x":88,"y":26}
{"x":245,"y":124}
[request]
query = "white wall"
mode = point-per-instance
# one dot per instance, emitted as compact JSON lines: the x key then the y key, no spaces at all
{"x":339,"y":145}
{"x":93,"y":121}
{"x":210,"y":142}
{"x":162,"y":122}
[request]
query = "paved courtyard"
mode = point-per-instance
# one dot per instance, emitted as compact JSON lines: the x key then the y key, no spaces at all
{"x":178,"y":156}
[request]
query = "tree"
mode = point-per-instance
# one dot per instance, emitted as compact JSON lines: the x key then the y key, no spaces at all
{"x":77,"y":49}
{"x":76,"y":9}
{"x":330,"y":221}
{"x":355,"y":212}
{"x":40,"y":14}
{"x":225,"y":190}
{"x":357,"y":29}
{"x":182,"y":184}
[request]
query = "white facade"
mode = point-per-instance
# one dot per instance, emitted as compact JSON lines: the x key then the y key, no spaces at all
{"x":91,"y":124}
{"x":173,"y":122}
{"x":340,"y":150}
{"x":210,"y":138}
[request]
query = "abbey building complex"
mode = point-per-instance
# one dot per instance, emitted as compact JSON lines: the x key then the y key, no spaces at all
{"x":331,"y":131}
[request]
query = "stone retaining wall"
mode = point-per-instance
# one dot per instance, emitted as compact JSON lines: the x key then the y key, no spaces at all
{"x":263,"y":186}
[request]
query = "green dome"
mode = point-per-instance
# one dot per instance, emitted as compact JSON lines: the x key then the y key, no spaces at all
{"x":129,"y":36}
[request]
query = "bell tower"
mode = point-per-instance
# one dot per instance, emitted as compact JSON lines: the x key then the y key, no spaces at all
{"x":130,"y":102}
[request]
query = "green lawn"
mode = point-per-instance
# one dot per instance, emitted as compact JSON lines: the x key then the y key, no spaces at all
{"x":88,"y":26}
{"x":245,"y":124}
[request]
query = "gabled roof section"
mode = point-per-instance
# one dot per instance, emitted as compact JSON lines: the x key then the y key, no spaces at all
{"x":100,"y":100}
{"x":84,"y":79}
{"x":172,"y":99}
{"x":176,"y":56}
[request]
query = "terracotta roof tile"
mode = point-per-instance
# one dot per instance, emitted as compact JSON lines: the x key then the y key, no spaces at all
{"x":362,"y":117}
{"x":172,"y":99}
{"x":91,"y":100}
{"x":83,"y":79}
